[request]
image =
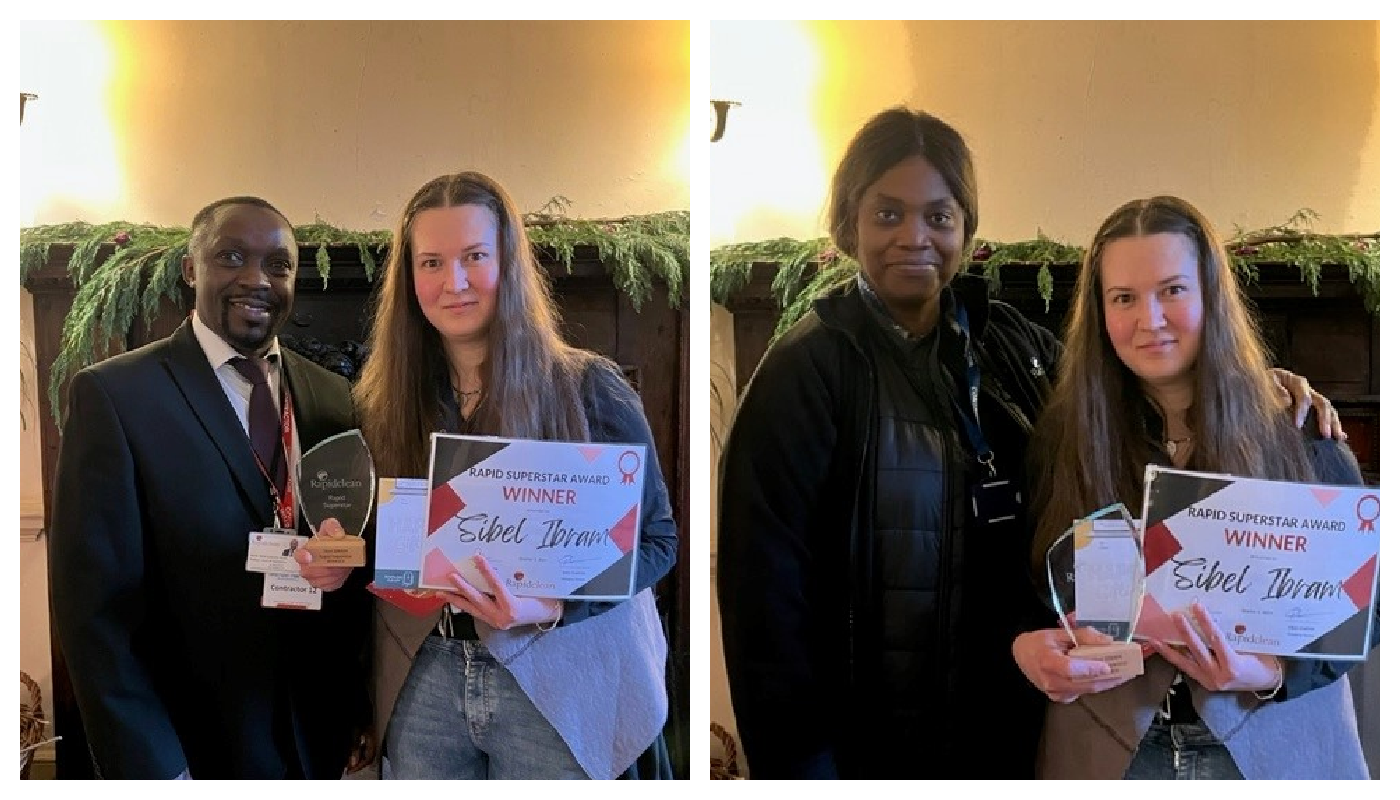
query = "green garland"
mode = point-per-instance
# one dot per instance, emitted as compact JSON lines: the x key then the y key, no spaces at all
{"x":144,"y":266}
{"x":808,"y":269}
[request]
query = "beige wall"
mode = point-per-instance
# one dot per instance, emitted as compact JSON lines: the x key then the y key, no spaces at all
{"x":343,"y":120}
{"x":1251,"y":121}
{"x":148,"y":121}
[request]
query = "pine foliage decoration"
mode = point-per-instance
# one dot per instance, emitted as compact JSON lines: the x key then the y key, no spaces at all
{"x":1039,"y":252}
{"x":637,"y":249}
{"x":144,"y":266}
{"x":808,"y":269}
{"x":324,"y":235}
{"x":1294,"y":242}
{"x":837,"y":270}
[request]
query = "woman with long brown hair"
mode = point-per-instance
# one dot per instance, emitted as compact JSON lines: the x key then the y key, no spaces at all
{"x":466,"y":340}
{"x":1163,"y":364}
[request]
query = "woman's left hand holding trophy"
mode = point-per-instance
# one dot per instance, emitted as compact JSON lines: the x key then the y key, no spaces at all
{"x":1044,"y":658}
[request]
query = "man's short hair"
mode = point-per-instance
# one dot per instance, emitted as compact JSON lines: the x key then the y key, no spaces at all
{"x":201,"y":219}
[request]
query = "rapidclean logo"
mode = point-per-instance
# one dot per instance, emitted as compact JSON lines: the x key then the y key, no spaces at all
{"x":1240,"y":636}
{"x":324,"y":481}
{"x":519,"y":581}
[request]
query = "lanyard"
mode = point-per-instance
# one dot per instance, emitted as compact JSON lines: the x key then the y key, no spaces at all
{"x":283,"y":497}
{"x":972,"y":424}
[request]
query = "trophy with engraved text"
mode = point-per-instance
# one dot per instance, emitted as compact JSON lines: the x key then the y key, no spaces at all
{"x":335,"y":484}
{"x":1097,"y":578}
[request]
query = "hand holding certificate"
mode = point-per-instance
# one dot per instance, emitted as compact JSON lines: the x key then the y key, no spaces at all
{"x":496,"y":605}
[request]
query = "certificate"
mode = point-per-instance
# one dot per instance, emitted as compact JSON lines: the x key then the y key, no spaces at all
{"x":398,"y":546}
{"x":553,"y":519}
{"x":1288,"y":569}
{"x":399,"y":532}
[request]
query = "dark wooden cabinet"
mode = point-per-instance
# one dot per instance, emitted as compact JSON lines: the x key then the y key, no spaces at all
{"x":651,"y":345}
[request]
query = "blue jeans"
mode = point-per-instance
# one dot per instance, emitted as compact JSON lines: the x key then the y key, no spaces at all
{"x":461,"y":715}
{"x":1182,"y":753}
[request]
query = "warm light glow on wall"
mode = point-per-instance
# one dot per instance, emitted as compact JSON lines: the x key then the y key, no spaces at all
{"x":767,"y":177}
{"x":68,"y":157}
{"x":680,"y":160}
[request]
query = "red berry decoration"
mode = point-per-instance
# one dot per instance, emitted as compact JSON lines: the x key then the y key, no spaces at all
{"x":982,"y":253}
{"x":122,"y":238}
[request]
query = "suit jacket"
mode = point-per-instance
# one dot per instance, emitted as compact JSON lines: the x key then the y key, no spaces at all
{"x":174,"y":662}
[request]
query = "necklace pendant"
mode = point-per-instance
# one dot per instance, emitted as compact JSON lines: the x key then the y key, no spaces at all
{"x":1171,"y":448}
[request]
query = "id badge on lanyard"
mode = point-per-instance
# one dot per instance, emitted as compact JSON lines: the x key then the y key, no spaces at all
{"x":994,"y":498}
{"x":284,"y":589}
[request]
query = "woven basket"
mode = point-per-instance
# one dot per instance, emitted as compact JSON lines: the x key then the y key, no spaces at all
{"x":31,"y":722}
{"x":725,"y":767}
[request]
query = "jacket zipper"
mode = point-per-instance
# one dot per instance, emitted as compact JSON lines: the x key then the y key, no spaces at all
{"x":851,"y":576}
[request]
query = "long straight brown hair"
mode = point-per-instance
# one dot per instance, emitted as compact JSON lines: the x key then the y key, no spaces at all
{"x":1090,"y":446}
{"x":531,"y":370}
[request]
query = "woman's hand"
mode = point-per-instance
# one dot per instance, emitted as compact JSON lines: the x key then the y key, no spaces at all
{"x":1298,"y":394}
{"x":497,"y":607}
{"x":1210,"y":660}
{"x":1043,"y":657}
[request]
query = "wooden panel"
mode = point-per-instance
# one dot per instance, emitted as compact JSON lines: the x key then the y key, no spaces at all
{"x":752,"y":332}
{"x":1331,"y":346}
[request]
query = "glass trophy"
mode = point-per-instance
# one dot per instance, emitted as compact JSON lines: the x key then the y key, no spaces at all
{"x":335,"y":482}
{"x":1097,"y":579}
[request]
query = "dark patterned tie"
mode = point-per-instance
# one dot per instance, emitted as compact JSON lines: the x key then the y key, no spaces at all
{"x":263,"y":427}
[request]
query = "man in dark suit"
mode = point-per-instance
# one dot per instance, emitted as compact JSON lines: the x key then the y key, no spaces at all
{"x":181,"y":665}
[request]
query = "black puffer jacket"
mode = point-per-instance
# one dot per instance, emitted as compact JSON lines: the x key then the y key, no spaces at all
{"x":838,"y":666}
